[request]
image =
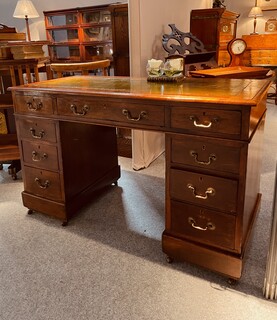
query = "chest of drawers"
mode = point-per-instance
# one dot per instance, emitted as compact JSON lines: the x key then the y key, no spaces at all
{"x":213,"y":131}
{"x":261,"y":50}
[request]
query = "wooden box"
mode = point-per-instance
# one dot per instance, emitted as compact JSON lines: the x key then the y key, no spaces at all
{"x":5,"y":53}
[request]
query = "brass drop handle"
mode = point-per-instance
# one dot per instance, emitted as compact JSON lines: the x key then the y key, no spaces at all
{"x":209,"y":226}
{"x":37,"y":157}
{"x":202,"y":125}
{"x":127,"y":113}
{"x":209,"y":191}
{"x":44,"y":185}
{"x":37,"y":136}
{"x":212,"y":157}
{"x":84,"y":111}
{"x":34,"y":106}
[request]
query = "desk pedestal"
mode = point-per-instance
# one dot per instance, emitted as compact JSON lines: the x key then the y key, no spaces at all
{"x":66,"y":167}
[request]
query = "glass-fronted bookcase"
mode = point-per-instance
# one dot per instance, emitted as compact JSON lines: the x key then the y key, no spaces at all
{"x":79,"y":34}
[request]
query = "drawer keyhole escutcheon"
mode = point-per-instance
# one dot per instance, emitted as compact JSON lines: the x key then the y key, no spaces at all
{"x":209,"y":225}
{"x":34,"y":106}
{"x":127,"y":113}
{"x":208,"y":124}
{"x":212,"y":157}
{"x":44,"y":185}
{"x":210,"y":191}
{"x":37,"y":136}
{"x":37,"y":157}
{"x":84,"y":111}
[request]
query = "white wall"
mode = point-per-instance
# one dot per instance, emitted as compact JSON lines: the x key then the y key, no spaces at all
{"x":149,"y":20}
{"x":245,"y":24}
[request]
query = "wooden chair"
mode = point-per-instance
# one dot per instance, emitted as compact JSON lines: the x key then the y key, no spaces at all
{"x":12,"y":73}
{"x":61,"y":69}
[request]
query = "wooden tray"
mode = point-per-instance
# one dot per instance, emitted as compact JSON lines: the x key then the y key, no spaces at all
{"x":239,"y":72}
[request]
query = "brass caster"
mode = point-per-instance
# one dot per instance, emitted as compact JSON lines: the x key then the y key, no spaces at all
{"x":30,"y":211}
{"x":64,"y":223}
{"x":14,"y":176}
{"x":231,"y":281}
{"x":168,"y":259}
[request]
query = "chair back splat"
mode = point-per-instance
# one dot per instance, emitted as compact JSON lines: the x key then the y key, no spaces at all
{"x":184,"y":44}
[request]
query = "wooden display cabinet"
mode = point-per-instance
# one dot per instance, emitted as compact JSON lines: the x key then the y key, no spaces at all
{"x":79,"y":34}
{"x":215,"y":27}
{"x":120,"y":37}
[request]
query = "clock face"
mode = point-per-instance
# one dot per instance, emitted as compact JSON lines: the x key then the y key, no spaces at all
{"x":237,"y":46}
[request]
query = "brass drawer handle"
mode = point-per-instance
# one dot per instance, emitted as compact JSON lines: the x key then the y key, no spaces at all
{"x":34,"y":106}
{"x":127,"y":113}
{"x":37,"y":136}
{"x":37,"y":157}
{"x":84,"y":111}
{"x":44,"y":185}
{"x":212,"y":157}
{"x":209,"y":226}
{"x":202,"y":125}
{"x":209,"y":191}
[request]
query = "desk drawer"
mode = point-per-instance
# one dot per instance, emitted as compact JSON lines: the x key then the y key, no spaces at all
{"x":33,"y":104}
{"x":202,"y":225}
{"x":42,"y":183}
{"x":35,"y":129}
{"x":205,"y":121}
{"x":212,"y":153}
{"x":112,"y":111}
{"x":41,"y":155}
{"x":204,"y":190}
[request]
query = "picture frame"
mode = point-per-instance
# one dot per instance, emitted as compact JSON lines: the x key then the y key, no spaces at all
{"x":267,"y":5}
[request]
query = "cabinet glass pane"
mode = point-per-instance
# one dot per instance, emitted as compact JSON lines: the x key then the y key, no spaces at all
{"x":99,"y":52}
{"x":64,"y":35}
{"x":62,"y":20}
{"x":98,"y":34}
{"x":64,"y":53}
{"x":96,"y":16}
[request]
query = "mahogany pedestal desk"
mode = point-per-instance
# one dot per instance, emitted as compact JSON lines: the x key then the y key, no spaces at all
{"x":213,"y":130}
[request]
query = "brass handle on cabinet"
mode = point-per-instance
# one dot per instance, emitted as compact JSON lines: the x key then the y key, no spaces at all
{"x":37,"y":157}
{"x":209,"y":191}
{"x":84,"y":111}
{"x":37,"y":136}
{"x":44,"y":185}
{"x":209,"y":226}
{"x":127,"y":113}
{"x":212,"y":157}
{"x":202,"y":125}
{"x":34,"y":106}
